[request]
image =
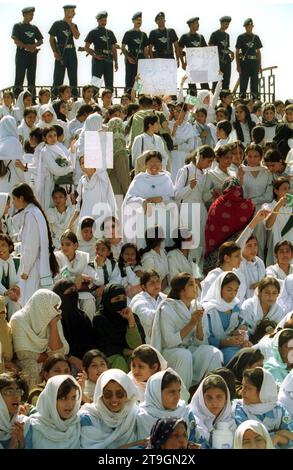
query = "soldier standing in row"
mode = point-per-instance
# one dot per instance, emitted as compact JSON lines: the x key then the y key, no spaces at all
{"x":27,"y":38}
{"x":65,"y":31}
{"x":162,"y":40}
{"x":104,"y":52}
{"x":221,"y":39}
{"x":192,"y":39}
{"x":134,"y":47}
{"x":248,"y":60}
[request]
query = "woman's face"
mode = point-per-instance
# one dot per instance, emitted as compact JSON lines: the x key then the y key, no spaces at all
{"x":253,"y":158}
{"x":102,"y":250}
{"x":60,"y":368}
{"x":97,"y":366}
{"x":44,"y":98}
{"x":215,"y":400}
{"x":141,"y":370}
{"x":18,"y":202}
{"x":65,"y":405}
{"x":47,"y":117}
{"x":205,"y":163}
{"x":284,"y":254}
{"x":250,"y":250}
{"x":171,"y":396}
{"x":28,"y":101}
{"x":229,"y":291}
{"x":63,"y":109}
{"x":240,"y":115}
{"x":68,"y":248}
{"x":234,"y":259}
{"x":250,"y":393}
{"x":269,"y":115}
{"x":282,"y":190}
{"x":129,"y":256}
{"x":190,"y":289}
{"x":153,"y":286}
{"x":30,"y":119}
{"x":225,"y":161}
{"x":153,"y":166}
{"x":7,"y":100}
{"x":4,"y":250}
{"x":114,"y":396}
{"x":12,"y":394}
{"x":51,"y":138}
{"x":252,"y":440}
{"x":286,"y":353}
{"x":178,"y":439}
{"x":268,"y":295}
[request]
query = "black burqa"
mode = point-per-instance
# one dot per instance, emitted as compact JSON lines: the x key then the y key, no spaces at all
{"x":109,"y":327}
{"x":77,"y":327}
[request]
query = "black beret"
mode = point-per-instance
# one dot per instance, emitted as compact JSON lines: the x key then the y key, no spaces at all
{"x":67,"y":7}
{"x":28,"y":9}
{"x":137,"y":15}
{"x":248,"y":21}
{"x":192,"y":20}
{"x":161,"y":14}
{"x":101,"y":15}
{"x":225,"y":19}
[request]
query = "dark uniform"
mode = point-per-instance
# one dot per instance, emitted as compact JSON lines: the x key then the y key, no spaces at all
{"x":249,"y":45}
{"x":136,"y":41}
{"x":66,"y":48}
{"x":26,"y":61}
{"x":162,"y":40}
{"x":221,"y":39}
{"x":103,"y":39}
{"x":193,"y":40}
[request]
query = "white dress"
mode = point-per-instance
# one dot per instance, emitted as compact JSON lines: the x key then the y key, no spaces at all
{"x":145,"y":306}
{"x":184,"y":140}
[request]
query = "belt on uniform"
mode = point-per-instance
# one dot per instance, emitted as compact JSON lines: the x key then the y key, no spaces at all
{"x":251,"y":57}
{"x":69,"y":46}
{"x":103,"y":51}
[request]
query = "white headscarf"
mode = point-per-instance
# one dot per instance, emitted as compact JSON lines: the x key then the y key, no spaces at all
{"x":152,"y":408}
{"x":206,"y":420}
{"x":141,"y":386}
{"x":3,"y":202}
{"x":285,"y":396}
{"x":20,"y":103}
{"x":110,"y":430}
{"x":268,"y":396}
{"x":92,"y":123}
{"x":30,"y":325}
{"x":214,"y":300}
{"x":10,"y":147}
{"x":44,"y":109}
{"x":285,"y":299}
{"x":255,"y":426}
{"x":50,"y":431}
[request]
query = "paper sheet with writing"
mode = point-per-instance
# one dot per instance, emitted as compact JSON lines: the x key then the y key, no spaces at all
{"x":158,"y":76}
{"x":202,"y":64}
{"x":98,"y":150}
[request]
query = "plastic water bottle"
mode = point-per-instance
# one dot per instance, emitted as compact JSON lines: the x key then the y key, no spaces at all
{"x":222,"y":436}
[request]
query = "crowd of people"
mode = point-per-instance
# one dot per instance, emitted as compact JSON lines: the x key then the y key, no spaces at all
{"x":148,"y":304}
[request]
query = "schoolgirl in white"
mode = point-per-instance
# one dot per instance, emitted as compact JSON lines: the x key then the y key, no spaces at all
{"x":37,"y":329}
{"x":252,"y":434}
{"x":178,"y":333}
{"x":59,"y":216}
{"x":145,"y":304}
{"x":283,"y":253}
{"x":10,"y":155}
{"x":285,"y":395}
{"x":211,"y":404}
{"x":56,"y":424}
{"x":165,"y":396}
{"x":110,"y":421}
{"x":37,"y":260}
{"x":259,"y":402}
{"x":73,"y":265}
{"x":189,"y":187}
{"x":145,"y":361}
{"x":263,"y":305}
{"x":49,"y":168}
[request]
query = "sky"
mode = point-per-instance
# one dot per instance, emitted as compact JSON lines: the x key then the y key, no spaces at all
{"x":272,"y":22}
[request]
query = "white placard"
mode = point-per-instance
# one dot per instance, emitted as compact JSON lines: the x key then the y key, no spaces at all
{"x":158,"y":76}
{"x":96,"y":81}
{"x":202,"y":64}
{"x":98,"y":150}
